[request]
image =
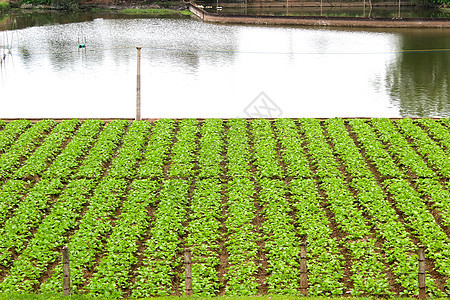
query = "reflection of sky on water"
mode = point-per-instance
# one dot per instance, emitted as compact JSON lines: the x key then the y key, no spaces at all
{"x":306,"y":72}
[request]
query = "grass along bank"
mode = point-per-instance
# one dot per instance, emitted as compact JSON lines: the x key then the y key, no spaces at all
{"x":150,"y":12}
{"x":157,"y":12}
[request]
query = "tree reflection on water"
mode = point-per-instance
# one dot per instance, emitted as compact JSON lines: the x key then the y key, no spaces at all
{"x":419,"y":82}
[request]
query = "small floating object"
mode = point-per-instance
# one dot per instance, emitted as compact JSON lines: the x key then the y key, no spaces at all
{"x":219,"y":7}
{"x":200,"y":6}
{"x":208,"y":6}
{"x":81,"y":45}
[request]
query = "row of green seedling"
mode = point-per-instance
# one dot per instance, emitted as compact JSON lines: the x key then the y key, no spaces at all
{"x":183,"y":151}
{"x":242,"y":238}
{"x":161,"y":255}
{"x":15,"y":188}
{"x":114,"y":274}
{"x":265,"y":150}
{"x":399,"y":148}
{"x":10,"y":132}
{"x":23,"y":147}
{"x":203,"y":231}
{"x":397,"y":246}
{"x":425,"y":146}
{"x":97,"y":222}
{"x":17,"y":229}
{"x":325,"y":264}
{"x":425,"y":226}
{"x":157,"y":152}
{"x":107,"y":142}
{"x":367,"y":271}
{"x":292,"y":152}
{"x":93,"y":166}
{"x":281,"y":244}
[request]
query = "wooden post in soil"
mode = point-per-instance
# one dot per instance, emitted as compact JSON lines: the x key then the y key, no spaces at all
{"x":138,"y":86}
{"x":422,"y":294}
{"x":188,"y":271}
{"x":303,"y":270}
{"x":66,"y":271}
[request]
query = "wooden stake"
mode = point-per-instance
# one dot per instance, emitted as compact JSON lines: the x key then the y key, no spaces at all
{"x":422,"y":294}
{"x":66,"y":271}
{"x":303,"y":270}
{"x":188,"y":271}
{"x":138,"y":89}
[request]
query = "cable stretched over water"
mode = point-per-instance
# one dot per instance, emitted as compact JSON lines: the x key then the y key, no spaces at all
{"x":403,"y":51}
{"x":77,"y":50}
{"x":300,"y":53}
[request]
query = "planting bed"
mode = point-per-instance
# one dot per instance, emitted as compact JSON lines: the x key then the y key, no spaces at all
{"x":128,"y":197}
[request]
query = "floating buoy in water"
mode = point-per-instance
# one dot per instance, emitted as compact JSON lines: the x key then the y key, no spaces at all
{"x":80,"y":45}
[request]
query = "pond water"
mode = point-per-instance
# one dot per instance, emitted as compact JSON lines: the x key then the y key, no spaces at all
{"x":195,"y":69}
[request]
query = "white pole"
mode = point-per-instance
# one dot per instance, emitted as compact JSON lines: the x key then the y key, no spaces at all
{"x":138,"y":87}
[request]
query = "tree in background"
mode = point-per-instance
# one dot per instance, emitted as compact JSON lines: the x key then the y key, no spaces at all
{"x":66,"y":4}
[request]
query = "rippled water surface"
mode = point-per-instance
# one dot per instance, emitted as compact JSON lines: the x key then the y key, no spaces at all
{"x":195,"y":69}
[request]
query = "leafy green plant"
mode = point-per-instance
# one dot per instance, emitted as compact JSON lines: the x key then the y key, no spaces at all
{"x":10,"y":133}
{"x":113,"y":273}
{"x":399,"y":148}
{"x":293,"y":154}
{"x":374,"y":149}
{"x":50,"y":148}
{"x":426,"y":146}
{"x":23,"y":147}
{"x":281,"y":242}
{"x":242,"y":239}
{"x":162,"y":258}
{"x":107,"y":142}
{"x":325,"y":265}
{"x":266,"y":157}
{"x":182,"y":164}
{"x":203,"y":236}
{"x":157,"y":152}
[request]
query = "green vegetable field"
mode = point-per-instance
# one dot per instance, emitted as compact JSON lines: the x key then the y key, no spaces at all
{"x":128,"y":197}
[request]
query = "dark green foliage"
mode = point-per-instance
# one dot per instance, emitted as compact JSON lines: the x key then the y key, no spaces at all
{"x":65,"y":4}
